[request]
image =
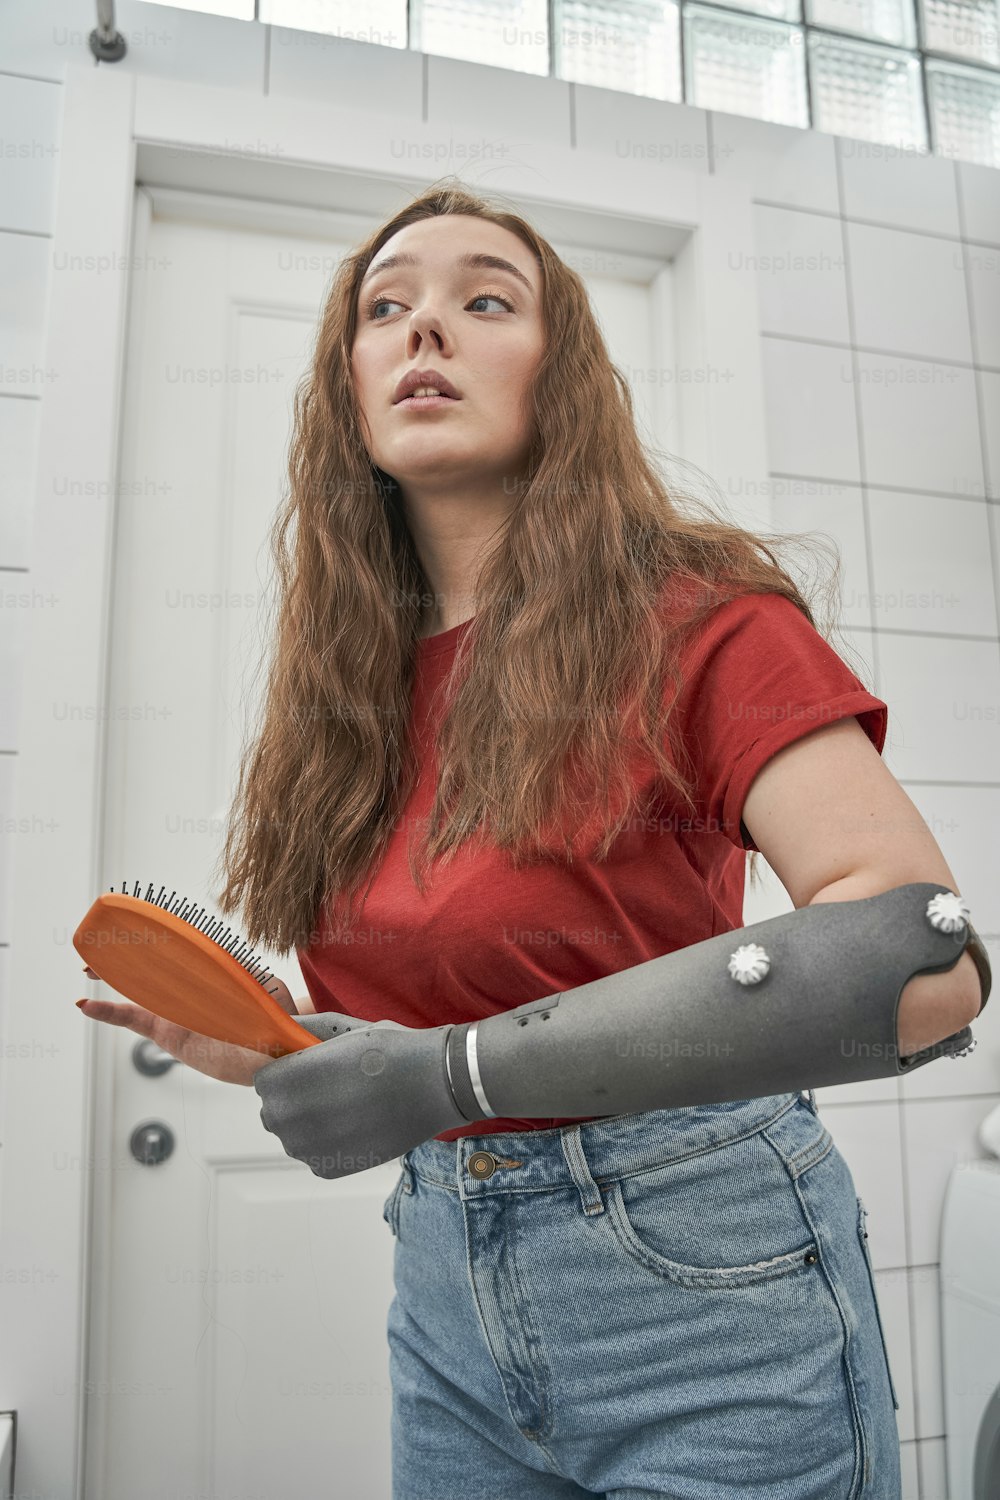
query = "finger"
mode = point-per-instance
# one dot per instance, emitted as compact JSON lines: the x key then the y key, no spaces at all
{"x":132,"y":1016}
{"x":279,"y":991}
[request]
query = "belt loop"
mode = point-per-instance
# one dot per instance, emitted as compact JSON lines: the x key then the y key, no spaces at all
{"x":811,"y":1101}
{"x":590,"y":1193}
{"x":404,"y":1162}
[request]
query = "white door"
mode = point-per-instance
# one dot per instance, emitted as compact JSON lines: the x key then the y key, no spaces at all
{"x":239,"y":1303}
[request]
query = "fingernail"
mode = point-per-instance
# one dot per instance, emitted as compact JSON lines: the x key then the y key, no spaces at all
{"x":80,"y":1002}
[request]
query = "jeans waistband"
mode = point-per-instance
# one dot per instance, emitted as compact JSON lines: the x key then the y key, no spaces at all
{"x":534,"y":1160}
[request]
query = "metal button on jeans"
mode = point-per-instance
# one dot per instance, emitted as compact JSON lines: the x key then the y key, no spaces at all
{"x":482,"y":1164}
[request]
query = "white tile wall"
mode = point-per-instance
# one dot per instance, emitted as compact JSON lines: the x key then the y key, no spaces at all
{"x":35,"y":41}
{"x":979,"y":206}
{"x":309,"y":65}
{"x":801,"y":276}
{"x":192,"y":45}
{"x":882,"y":434}
{"x":983,"y":267}
{"x":25,"y":267}
{"x":933,"y":1478}
{"x":18,"y":444}
{"x":919,"y":425}
{"x":920,"y":587}
{"x":837,"y":512}
{"x":882,"y":186}
{"x":812,"y":425}
{"x":942,"y":695}
{"x":988,"y":383}
{"x":780,"y":163}
{"x":509,"y":110}
{"x":628,"y":126}
{"x":909,"y":293}
{"x":31,"y":114}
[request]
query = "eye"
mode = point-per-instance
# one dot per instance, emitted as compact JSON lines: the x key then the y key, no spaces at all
{"x":480,"y":297}
{"x":377,"y":303}
{"x":494,"y":297}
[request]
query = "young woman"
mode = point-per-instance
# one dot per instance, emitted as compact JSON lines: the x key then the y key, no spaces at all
{"x":506,"y":650}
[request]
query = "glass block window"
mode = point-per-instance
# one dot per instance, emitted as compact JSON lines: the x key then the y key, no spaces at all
{"x":381,"y":22}
{"x":916,"y":74}
{"x":869,"y":92}
{"x":965,"y":112}
{"x":633,"y":47}
{"x":235,"y":10}
{"x":778,"y":10}
{"x":501,"y":33}
{"x":967,"y":28}
{"x":744,"y":65}
{"x":889,"y":21}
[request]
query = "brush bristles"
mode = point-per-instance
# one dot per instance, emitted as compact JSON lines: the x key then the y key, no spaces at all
{"x":212,"y":927}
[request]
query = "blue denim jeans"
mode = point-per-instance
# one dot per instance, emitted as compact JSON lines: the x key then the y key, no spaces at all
{"x":675,"y":1303}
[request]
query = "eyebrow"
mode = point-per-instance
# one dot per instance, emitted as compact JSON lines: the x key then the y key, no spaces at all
{"x":471,"y":262}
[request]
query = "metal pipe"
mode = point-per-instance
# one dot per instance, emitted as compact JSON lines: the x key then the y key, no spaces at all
{"x":106,"y":43}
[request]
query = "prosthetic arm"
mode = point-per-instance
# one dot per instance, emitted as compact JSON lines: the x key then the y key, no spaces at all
{"x":795,"y":1002}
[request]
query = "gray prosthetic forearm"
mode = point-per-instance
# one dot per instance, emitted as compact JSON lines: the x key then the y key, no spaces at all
{"x":795,"y":1002}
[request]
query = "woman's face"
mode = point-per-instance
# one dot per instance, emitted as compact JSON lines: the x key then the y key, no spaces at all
{"x":438,"y":314}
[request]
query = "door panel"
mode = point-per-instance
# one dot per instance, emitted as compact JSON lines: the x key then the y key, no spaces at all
{"x":245,"y":1298}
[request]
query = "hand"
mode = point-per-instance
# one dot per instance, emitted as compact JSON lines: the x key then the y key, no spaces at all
{"x":221,"y":1060}
{"x":362,"y":1097}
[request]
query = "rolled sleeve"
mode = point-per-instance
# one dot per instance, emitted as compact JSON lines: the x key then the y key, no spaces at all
{"x":756,"y":677}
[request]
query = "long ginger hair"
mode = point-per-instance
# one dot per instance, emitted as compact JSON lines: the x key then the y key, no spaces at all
{"x":565,"y":659}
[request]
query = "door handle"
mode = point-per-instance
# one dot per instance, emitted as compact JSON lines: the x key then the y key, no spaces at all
{"x":151,"y":1143}
{"x":151,"y":1060}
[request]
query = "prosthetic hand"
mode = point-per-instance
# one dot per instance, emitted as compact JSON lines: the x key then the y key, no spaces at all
{"x":798,"y":1001}
{"x":369,"y":1092}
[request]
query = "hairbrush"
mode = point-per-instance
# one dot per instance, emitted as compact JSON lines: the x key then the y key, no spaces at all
{"x":178,"y":961}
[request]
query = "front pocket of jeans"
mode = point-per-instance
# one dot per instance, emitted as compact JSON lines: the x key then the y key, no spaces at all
{"x":863,"y":1237}
{"x":802,"y":1258}
{"x":390,"y":1208}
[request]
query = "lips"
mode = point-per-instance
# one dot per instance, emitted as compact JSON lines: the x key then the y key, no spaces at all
{"x":415,"y":379}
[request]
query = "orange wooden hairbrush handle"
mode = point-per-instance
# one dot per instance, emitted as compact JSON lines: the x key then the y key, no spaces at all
{"x":162,"y":962}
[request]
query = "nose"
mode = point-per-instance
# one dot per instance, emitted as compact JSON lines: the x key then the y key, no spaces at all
{"x":424,"y":324}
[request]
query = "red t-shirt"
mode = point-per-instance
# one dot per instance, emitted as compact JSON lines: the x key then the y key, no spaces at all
{"x":486,"y":938}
